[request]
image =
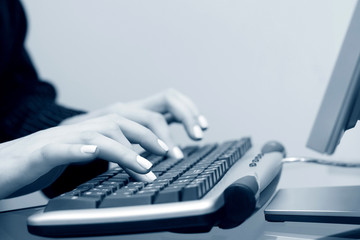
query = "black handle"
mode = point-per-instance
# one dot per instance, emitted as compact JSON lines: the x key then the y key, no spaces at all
{"x":240,"y":202}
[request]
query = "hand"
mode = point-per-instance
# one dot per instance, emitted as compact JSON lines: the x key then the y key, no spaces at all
{"x":109,"y":137}
{"x":155,"y":113}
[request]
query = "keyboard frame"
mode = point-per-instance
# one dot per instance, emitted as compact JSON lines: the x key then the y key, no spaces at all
{"x":198,"y":215}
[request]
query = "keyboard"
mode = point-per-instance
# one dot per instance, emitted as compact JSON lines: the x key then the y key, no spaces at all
{"x":214,"y":185}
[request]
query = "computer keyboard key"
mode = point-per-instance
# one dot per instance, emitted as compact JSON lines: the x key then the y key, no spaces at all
{"x":151,"y":190}
{"x":168,"y":195}
{"x":67,"y":202}
{"x":113,"y":185}
{"x":194,"y":172}
{"x":182,"y":181}
{"x":121,"y":177}
{"x":101,"y":178}
{"x":127,"y":189}
{"x":137,"y":185}
{"x":155,"y":188}
{"x":173,"y":173}
{"x":212,"y":174}
{"x":76,"y":192}
{"x":154,"y":159}
{"x":202,"y":183}
{"x":116,"y":200}
{"x":224,"y":164}
{"x":217,"y":170}
{"x":140,"y":199}
{"x":189,"y":177}
{"x":105,"y":189}
{"x":158,"y":186}
{"x":121,"y":182}
{"x":187,"y":151}
{"x":94,"y":194}
{"x":191,"y":192}
{"x":121,"y":200}
{"x":88,"y":185}
{"x":160,"y":181}
{"x":209,"y":181}
{"x":227,"y":159}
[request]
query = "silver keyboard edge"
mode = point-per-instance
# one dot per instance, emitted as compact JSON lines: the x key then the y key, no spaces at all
{"x":211,"y":202}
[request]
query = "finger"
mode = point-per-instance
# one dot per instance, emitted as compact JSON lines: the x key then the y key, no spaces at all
{"x":113,"y":151}
{"x":148,"y":177}
{"x":137,"y":133}
{"x":114,"y":133}
{"x":56,"y":154}
{"x":200,"y":118}
{"x":169,"y":118}
{"x":125,"y":131}
{"x":157,"y":123}
{"x":107,"y":125}
{"x":183,"y":114}
{"x":203,"y":123}
{"x":170,"y":102}
{"x":159,"y":103}
{"x":101,"y":125}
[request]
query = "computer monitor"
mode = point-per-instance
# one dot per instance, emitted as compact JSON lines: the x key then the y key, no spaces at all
{"x":340,"y":108}
{"x":339,"y":111}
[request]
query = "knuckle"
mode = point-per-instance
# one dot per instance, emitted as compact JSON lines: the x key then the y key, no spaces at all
{"x":118,"y":105}
{"x":113,"y":117}
{"x":112,"y":126}
{"x":157,"y":118}
{"x":169,"y":94}
{"x":112,"y":121}
{"x":128,"y":156}
{"x":88,"y":136}
{"x":127,"y":144}
{"x":171,"y":91}
{"x":147,"y":135}
{"x":45,"y":150}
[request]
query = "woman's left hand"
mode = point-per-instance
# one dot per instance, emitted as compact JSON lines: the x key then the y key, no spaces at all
{"x":156,"y":113}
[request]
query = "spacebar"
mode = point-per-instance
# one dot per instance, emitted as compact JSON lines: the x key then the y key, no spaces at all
{"x":71,"y":202}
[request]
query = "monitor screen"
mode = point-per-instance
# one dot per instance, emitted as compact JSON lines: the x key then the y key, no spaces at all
{"x":340,"y":107}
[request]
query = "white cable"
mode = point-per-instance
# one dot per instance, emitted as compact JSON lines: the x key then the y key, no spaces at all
{"x":320,"y":161}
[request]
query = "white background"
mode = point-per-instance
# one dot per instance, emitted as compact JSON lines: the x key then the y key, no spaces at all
{"x":256,"y":68}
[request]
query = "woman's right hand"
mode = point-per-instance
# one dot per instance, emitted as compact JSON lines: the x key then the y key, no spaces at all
{"x":24,"y":160}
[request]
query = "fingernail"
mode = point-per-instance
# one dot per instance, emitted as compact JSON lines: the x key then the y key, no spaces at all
{"x":198,"y":133}
{"x":143,"y":162}
{"x":178,"y":153}
{"x":203,"y":122}
{"x":150,"y":176}
{"x":89,"y":149}
{"x":163,"y":145}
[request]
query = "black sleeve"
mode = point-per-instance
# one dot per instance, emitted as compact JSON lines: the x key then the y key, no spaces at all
{"x":28,"y":104}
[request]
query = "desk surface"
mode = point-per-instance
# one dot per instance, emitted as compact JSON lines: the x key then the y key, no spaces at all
{"x":13,"y":224}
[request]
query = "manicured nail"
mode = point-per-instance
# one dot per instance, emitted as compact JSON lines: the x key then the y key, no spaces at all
{"x":203,"y":122}
{"x":150,"y":176}
{"x":89,"y":149}
{"x":198,"y":133}
{"x":144,"y":162}
{"x":178,"y":153}
{"x":163,"y":145}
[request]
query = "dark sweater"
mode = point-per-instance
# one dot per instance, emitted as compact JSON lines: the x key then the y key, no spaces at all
{"x":28,"y":104}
